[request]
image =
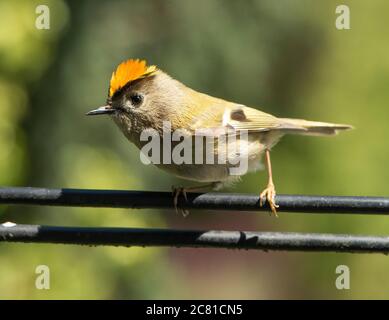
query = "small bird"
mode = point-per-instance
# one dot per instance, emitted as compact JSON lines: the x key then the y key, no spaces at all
{"x":143,"y":97}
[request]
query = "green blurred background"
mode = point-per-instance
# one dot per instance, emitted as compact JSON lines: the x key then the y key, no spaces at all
{"x":285,"y":57}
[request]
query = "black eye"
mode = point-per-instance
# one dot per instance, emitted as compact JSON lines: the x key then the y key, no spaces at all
{"x":136,"y":99}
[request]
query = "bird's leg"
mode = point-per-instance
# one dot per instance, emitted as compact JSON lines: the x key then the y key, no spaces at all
{"x":177,"y":191}
{"x":270,"y":192}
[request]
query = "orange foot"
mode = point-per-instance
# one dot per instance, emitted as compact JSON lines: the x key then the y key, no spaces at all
{"x":269,"y":195}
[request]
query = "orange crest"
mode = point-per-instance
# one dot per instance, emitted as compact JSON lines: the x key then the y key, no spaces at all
{"x":127,"y":71}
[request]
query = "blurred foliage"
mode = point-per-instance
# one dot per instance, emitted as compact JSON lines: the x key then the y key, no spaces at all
{"x":285,"y":57}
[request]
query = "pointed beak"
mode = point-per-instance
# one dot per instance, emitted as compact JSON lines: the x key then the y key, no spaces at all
{"x":101,"y":110}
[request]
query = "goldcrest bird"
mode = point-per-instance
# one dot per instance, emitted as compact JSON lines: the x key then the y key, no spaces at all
{"x":143,"y":97}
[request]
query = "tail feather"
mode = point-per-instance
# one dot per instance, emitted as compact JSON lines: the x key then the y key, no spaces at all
{"x":300,"y":126}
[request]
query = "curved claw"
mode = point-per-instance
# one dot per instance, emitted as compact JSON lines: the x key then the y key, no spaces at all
{"x":269,"y":195}
{"x":176,"y":193}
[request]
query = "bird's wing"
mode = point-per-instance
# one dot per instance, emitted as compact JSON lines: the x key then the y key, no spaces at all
{"x":238,"y":117}
{"x":245,"y":118}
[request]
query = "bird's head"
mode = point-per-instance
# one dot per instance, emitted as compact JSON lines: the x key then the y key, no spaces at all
{"x":140,"y":94}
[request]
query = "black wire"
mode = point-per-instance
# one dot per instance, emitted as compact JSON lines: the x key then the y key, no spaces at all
{"x":185,"y":238}
{"x":212,"y":201}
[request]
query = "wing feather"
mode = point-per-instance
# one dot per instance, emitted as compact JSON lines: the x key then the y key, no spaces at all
{"x":239,"y":117}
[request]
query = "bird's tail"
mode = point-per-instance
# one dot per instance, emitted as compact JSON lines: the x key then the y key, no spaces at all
{"x":313,"y":128}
